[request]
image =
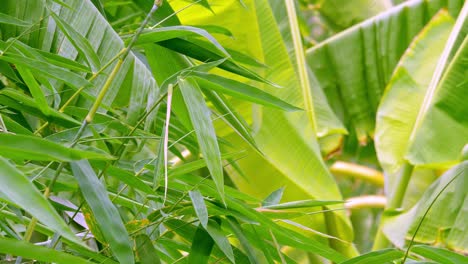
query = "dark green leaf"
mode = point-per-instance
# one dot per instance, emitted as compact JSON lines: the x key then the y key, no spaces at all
{"x":145,"y":250}
{"x":202,"y":244}
{"x":106,"y":214}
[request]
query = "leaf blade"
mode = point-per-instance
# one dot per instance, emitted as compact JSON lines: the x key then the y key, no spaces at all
{"x":105,"y":212}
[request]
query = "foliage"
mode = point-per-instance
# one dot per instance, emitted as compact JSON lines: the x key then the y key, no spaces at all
{"x":212,"y":131}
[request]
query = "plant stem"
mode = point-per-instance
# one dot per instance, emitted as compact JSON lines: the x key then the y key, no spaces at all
{"x":301,"y":63}
{"x":359,"y":172}
{"x":395,"y":201}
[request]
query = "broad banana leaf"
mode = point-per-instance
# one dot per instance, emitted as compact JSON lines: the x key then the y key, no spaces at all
{"x":354,"y":66}
{"x":343,"y":14}
{"x":443,"y":129}
{"x":416,"y":111}
{"x":446,"y":205}
{"x":405,"y":92}
{"x":410,"y":95}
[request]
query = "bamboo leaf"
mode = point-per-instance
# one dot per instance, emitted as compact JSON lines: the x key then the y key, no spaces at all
{"x":19,"y":190}
{"x":385,"y":256}
{"x":145,"y":250}
{"x":202,"y":244}
{"x":165,"y":33}
{"x":220,"y":239}
{"x":199,"y":207}
{"x":273,"y":198}
{"x":79,"y":42}
{"x":241,"y":90}
{"x":46,"y":69}
{"x":230,"y":115}
{"x":197,"y":51}
{"x":19,"y":101}
{"x":35,"y":148}
{"x":439,"y":255}
{"x":35,"y":89}
{"x":30,"y":251}
{"x":237,"y":229}
{"x":6,"y":19}
{"x":201,"y":120}
{"x":105,"y":212}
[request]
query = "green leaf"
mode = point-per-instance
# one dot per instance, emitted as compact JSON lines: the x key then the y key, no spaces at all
{"x":372,"y":49}
{"x":202,"y":244}
{"x":237,"y":229}
{"x":199,"y":207}
{"x":30,"y":251}
{"x":104,"y":211}
{"x":440,"y":255}
{"x":79,"y":42}
{"x":446,"y":108}
{"x":220,"y":239}
{"x":240,"y":90}
{"x":46,"y":69}
{"x":145,"y":250}
{"x":165,"y":33}
{"x":133,"y":88}
{"x":19,"y":190}
{"x":129,"y":178}
{"x":275,"y":131}
{"x":440,"y":215}
{"x":201,"y":120}
{"x":405,"y":92}
{"x":35,"y":89}
{"x":231,"y":116}
{"x":200,"y":53}
{"x":21,"y":102}
{"x":6,"y":19}
{"x":342,"y":15}
{"x":35,"y":148}
{"x":385,"y":256}
{"x":273,"y":198}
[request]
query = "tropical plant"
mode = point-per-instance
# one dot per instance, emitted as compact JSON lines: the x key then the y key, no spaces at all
{"x":212,"y":131}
